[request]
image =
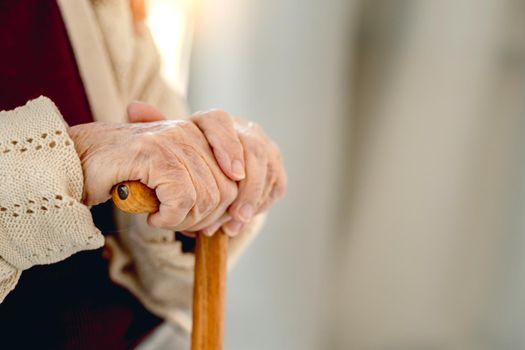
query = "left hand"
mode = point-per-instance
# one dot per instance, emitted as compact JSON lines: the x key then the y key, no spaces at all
{"x":257,"y":165}
{"x":265,"y":180}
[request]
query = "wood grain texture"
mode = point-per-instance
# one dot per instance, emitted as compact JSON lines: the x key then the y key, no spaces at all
{"x":211,"y":255}
{"x":209,"y":292}
{"x":140,"y":199}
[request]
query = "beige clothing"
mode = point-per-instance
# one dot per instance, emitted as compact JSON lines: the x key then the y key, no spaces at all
{"x":117,"y":66}
{"x":41,"y":218}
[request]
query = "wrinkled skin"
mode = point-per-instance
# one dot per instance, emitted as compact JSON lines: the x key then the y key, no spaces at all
{"x":208,"y":172}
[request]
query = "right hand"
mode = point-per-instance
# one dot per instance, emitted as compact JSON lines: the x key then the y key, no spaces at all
{"x":172,"y":156}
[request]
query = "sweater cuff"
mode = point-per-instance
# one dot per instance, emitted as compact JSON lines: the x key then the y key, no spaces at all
{"x":9,"y":276}
{"x":41,"y":218}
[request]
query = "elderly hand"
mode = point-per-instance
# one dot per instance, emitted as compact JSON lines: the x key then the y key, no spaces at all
{"x":173,"y":157}
{"x":265,"y":178}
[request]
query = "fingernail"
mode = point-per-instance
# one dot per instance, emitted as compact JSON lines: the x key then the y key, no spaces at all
{"x":246,"y":212}
{"x":233,"y":228}
{"x":238,"y":169}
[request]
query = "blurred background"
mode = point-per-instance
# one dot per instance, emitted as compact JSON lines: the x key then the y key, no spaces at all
{"x":402,"y":125}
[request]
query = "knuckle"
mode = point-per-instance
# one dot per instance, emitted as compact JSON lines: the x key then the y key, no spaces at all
{"x":258,"y":149}
{"x":229,"y":194}
{"x":220,"y":115}
{"x":207,"y":202}
{"x":145,"y":143}
{"x":192,"y":195}
{"x":198,"y":121}
{"x":212,"y":116}
{"x":254,"y":190}
{"x":185,"y":124}
{"x":214,"y":200}
{"x":186,"y":203}
{"x":191,"y":127}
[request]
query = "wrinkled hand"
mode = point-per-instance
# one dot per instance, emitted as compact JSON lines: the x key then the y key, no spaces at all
{"x":244,"y":153}
{"x":172,"y":157}
{"x":265,"y":180}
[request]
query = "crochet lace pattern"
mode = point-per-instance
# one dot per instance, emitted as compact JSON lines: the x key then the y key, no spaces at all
{"x":42,"y":220}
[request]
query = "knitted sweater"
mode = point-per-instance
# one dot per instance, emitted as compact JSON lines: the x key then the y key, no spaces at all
{"x":42,"y":179}
{"x":72,"y":304}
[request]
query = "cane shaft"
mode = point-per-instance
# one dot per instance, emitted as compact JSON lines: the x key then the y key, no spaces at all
{"x":209,"y":292}
{"x":209,"y":289}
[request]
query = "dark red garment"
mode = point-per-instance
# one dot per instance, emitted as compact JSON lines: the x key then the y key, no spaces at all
{"x":71,"y":304}
{"x":37,"y":59}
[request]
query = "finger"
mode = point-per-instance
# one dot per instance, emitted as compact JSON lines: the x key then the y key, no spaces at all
{"x":217,"y":213}
{"x":233,"y":228}
{"x":252,"y":187}
{"x":211,"y":192}
{"x":189,"y":234}
{"x":141,"y":112}
{"x":171,"y":213}
{"x":267,"y":200}
{"x":210,"y":230}
{"x":276,"y":181}
{"x":220,"y":132}
{"x":278,"y":189}
{"x":271,"y":178}
{"x":281,"y":184}
{"x":177,"y":197}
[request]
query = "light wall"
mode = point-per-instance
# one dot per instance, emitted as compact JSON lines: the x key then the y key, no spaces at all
{"x":401,"y":123}
{"x":285,"y":65}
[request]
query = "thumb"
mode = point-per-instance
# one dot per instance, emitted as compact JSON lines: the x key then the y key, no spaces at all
{"x":141,"y":112}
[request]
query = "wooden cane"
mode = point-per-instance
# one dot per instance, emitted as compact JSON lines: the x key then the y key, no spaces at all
{"x":209,"y":287}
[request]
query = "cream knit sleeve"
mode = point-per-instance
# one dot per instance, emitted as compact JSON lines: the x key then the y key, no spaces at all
{"x":41,"y":218}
